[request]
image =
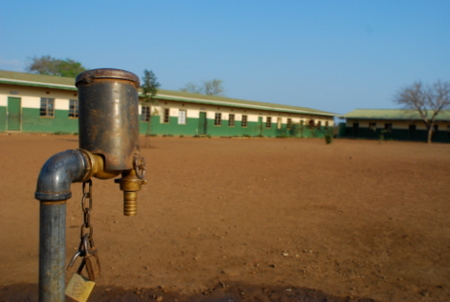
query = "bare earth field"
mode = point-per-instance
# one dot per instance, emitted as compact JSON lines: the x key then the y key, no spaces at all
{"x":247,"y":220}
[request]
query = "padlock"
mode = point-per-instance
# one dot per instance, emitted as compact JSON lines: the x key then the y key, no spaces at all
{"x":92,"y":264}
{"x":79,"y":288}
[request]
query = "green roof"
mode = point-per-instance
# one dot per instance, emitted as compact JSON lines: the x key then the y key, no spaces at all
{"x":229,"y":102}
{"x":37,"y":80}
{"x":393,"y":114}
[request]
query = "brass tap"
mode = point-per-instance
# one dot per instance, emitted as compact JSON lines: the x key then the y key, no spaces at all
{"x":130,"y":184}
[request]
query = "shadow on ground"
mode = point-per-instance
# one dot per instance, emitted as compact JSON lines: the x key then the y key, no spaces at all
{"x":219,"y":293}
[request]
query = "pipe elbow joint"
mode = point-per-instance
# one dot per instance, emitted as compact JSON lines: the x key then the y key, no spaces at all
{"x":59,"y":172}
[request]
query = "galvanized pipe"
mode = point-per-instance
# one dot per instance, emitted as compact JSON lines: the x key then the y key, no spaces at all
{"x":59,"y":172}
{"x":53,"y":189}
{"x":52,"y":251}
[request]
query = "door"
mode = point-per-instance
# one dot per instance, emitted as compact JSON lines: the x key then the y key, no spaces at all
{"x":14,"y":116}
{"x":355,"y":129}
{"x":412,"y":132}
{"x":260,"y":125}
{"x":202,"y":123}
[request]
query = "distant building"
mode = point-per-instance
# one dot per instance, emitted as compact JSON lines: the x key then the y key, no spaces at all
{"x":395,"y":124}
{"x":49,"y":104}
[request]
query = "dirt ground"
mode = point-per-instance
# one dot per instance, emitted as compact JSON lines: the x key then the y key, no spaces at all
{"x":247,"y":220}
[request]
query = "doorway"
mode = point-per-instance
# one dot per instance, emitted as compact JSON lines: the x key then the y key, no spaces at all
{"x":202,"y":124}
{"x":14,"y":114}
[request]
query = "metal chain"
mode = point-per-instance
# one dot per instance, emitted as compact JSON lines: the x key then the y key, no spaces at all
{"x":86,"y":206}
{"x":86,"y":231}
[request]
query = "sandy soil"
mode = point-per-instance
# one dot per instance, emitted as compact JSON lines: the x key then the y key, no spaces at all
{"x":247,"y":220}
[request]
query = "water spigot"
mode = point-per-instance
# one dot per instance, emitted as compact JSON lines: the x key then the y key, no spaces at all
{"x":109,"y":128}
{"x":130,"y":184}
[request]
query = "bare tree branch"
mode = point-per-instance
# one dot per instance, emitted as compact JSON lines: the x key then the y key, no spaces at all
{"x":213,"y":87}
{"x":429,"y":101}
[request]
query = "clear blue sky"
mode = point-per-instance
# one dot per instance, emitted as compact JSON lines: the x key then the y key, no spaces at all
{"x":329,"y":55}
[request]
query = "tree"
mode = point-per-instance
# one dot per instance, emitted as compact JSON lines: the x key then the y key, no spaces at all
{"x":56,"y":67}
{"x":429,"y":101}
{"x":149,"y":88}
{"x":213,"y":87}
{"x":192,"y":88}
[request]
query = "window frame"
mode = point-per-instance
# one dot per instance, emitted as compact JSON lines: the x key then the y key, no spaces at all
{"x":182,"y":117}
{"x":166,"y":116}
{"x":73,"y":108}
{"x":268,"y":122}
{"x":388,"y":127}
{"x":231,"y":120}
{"x":289,"y":124}
{"x":145,"y":114}
{"x":435,"y":128}
{"x":244,"y":121}
{"x":218,"y":119}
{"x":47,"y":108}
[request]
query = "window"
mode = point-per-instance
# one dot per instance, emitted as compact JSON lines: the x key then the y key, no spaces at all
{"x":279,"y":123}
{"x":319,"y":125}
{"x":311,"y":124}
{"x":165,"y":116}
{"x":47,"y":107}
{"x":388,"y":127}
{"x":268,"y":122}
{"x":373,"y":127}
{"x":435,"y":128}
{"x":326,"y":125}
{"x":231,"y":120}
{"x":218,"y":119}
{"x":244,"y":121}
{"x":73,"y":108}
{"x":182,"y":117}
{"x":145,"y":116}
{"x":355,"y":129}
{"x":289,"y":123}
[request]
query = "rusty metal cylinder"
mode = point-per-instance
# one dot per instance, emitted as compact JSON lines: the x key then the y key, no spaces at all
{"x":109,"y":116}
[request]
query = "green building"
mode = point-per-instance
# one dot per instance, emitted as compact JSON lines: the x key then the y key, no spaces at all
{"x":49,"y":104}
{"x":395,"y":124}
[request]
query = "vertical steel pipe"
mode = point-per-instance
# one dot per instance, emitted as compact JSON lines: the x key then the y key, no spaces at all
{"x":53,"y":189}
{"x":52,"y":251}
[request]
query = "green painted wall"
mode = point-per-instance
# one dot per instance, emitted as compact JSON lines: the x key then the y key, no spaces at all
{"x":171,"y":128}
{"x":191,"y":128}
{"x":442,"y":136}
{"x":2,"y":118}
{"x":59,"y":123}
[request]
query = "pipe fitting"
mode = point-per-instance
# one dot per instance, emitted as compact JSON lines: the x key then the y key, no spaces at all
{"x":98,"y":167}
{"x":130,"y":184}
{"x":59,"y":172}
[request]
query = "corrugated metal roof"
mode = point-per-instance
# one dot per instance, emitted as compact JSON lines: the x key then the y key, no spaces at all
{"x":393,"y":114}
{"x":37,"y":80}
